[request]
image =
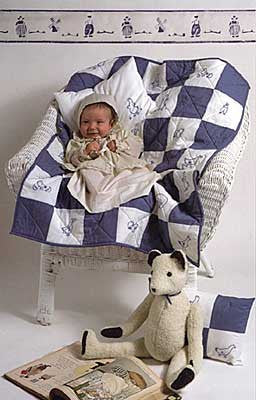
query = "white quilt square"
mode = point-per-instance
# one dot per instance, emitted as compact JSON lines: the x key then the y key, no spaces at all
{"x":225,"y":346}
{"x":185,"y":183}
{"x":66,"y":227}
{"x":184,"y":237}
{"x":153,"y":158}
{"x":102,"y":69}
{"x":40,"y":186}
{"x":207,"y":73}
{"x":222,"y":110}
{"x":181,"y":132}
{"x":164,"y":203}
{"x":155,"y":78}
{"x":166,"y":103}
{"x":131,"y":225}
{"x":194,"y":159}
{"x":56,"y":150}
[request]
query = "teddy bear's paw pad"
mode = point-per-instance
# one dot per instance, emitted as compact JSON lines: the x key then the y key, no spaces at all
{"x":184,"y":378}
{"x":84,"y":340}
{"x":89,"y":340}
{"x":115,"y":332}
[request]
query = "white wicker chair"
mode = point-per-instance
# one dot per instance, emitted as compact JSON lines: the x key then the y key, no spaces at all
{"x":214,"y":188}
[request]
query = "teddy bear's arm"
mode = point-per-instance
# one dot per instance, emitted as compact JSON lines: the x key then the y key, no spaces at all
{"x":135,"y":320}
{"x":195,"y":336}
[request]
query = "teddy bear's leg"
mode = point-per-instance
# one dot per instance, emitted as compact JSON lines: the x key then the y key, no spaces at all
{"x":180,"y":372}
{"x":194,"y":335}
{"x":92,"y":348}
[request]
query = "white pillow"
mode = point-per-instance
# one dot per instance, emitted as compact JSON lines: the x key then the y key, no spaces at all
{"x":225,"y":322}
{"x":125,"y":85}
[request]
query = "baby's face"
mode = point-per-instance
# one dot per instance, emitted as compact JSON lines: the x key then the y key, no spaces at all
{"x":95,"y":121}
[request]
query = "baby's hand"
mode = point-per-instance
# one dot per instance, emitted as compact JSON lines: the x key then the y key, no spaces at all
{"x":93,"y":147}
{"x":112,"y":145}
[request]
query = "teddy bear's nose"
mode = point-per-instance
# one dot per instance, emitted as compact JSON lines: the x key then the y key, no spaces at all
{"x":153,"y":290}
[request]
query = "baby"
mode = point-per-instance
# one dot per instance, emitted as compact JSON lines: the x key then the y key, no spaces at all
{"x":105,"y":158}
{"x":95,"y":123}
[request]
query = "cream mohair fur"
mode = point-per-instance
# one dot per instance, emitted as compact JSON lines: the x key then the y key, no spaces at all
{"x":173,"y":326}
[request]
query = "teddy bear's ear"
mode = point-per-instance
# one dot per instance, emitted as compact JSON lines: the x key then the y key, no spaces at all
{"x":180,"y":257}
{"x":152,"y":255}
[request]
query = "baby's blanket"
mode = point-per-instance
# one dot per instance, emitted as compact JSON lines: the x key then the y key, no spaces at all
{"x":196,"y":110}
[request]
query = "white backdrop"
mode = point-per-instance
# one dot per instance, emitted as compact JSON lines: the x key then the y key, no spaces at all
{"x":30,"y":73}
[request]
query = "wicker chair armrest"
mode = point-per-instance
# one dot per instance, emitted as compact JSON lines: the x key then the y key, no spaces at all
{"x":216,"y":183}
{"x":17,"y":167}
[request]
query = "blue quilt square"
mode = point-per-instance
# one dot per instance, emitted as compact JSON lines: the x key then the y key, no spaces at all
{"x":169,"y":184}
{"x":188,"y":213}
{"x":142,"y":64}
{"x":100,"y":228}
{"x":205,"y":340}
{"x":211,"y":136}
{"x":48,"y":164}
{"x":177,"y":71}
{"x":231,"y":313}
{"x":170,"y":160}
{"x":30,"y":221}
{"x":155,"y":133}
{"x":144,"y":203}
{"x":232,"y":84}
{"x":192,"y":102}
{"x":156,"y":236}
{"x":82,"y":80}
{"x":65,"y":199}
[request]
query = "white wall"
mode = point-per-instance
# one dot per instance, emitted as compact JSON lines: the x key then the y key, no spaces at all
{"x":30,"y":73}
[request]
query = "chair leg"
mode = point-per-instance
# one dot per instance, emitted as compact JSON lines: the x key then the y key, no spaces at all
{"x":209,"y":269}
{"x":48,"y":272}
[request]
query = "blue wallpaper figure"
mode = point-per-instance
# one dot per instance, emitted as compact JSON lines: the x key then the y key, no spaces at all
{"x":127,"y":28}
{"x":89,"y":27}
{"x":21,"y":28}
{"x":196,"y":28}
{"x":54,"y":24}
{"x":234,"y":27}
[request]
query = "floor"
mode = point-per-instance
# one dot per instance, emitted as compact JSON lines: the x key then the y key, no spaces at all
{"x":80,"y":306}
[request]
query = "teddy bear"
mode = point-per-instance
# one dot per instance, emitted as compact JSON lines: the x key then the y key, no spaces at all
{"x":173,"y":326}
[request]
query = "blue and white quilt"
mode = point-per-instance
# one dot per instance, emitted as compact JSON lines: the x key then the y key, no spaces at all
{"x":198,"y":109}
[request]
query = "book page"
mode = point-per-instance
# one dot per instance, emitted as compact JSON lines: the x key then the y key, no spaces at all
{"x":124,"y":378}
{"x":54,"y":369}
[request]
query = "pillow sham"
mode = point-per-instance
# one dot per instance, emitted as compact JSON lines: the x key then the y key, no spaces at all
{"x":225,"y":322}
{"x":125,"y":85}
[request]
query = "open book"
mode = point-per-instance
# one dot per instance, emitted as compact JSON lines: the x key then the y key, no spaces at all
{"x":63,"y":375}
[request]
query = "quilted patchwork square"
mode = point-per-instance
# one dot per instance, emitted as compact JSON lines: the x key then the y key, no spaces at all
{"x":207,"y":73}
{"x":35,"y":221}
{"x":230,"y":83}
{"x":155,"y":133}
{"x":40,"y":186}
{"x":192,"y":102}
{"x":194,"y":159}
{"x":223,"y":110}
{"x":131,"y":225}
{"x":164,"y":202}
{"x":67,"y":226}
{"x":56,"y":150}
{"x":185,"y":182}
{"x":102,"y":69}
{"x":156,"y":236}
{"x":166,"y":103}
{"x":153,"y":158}
{"x":184,"y":237}
{"x":154,"y":78}
{"x":231,"y":313}
{"x":181,"y":132}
